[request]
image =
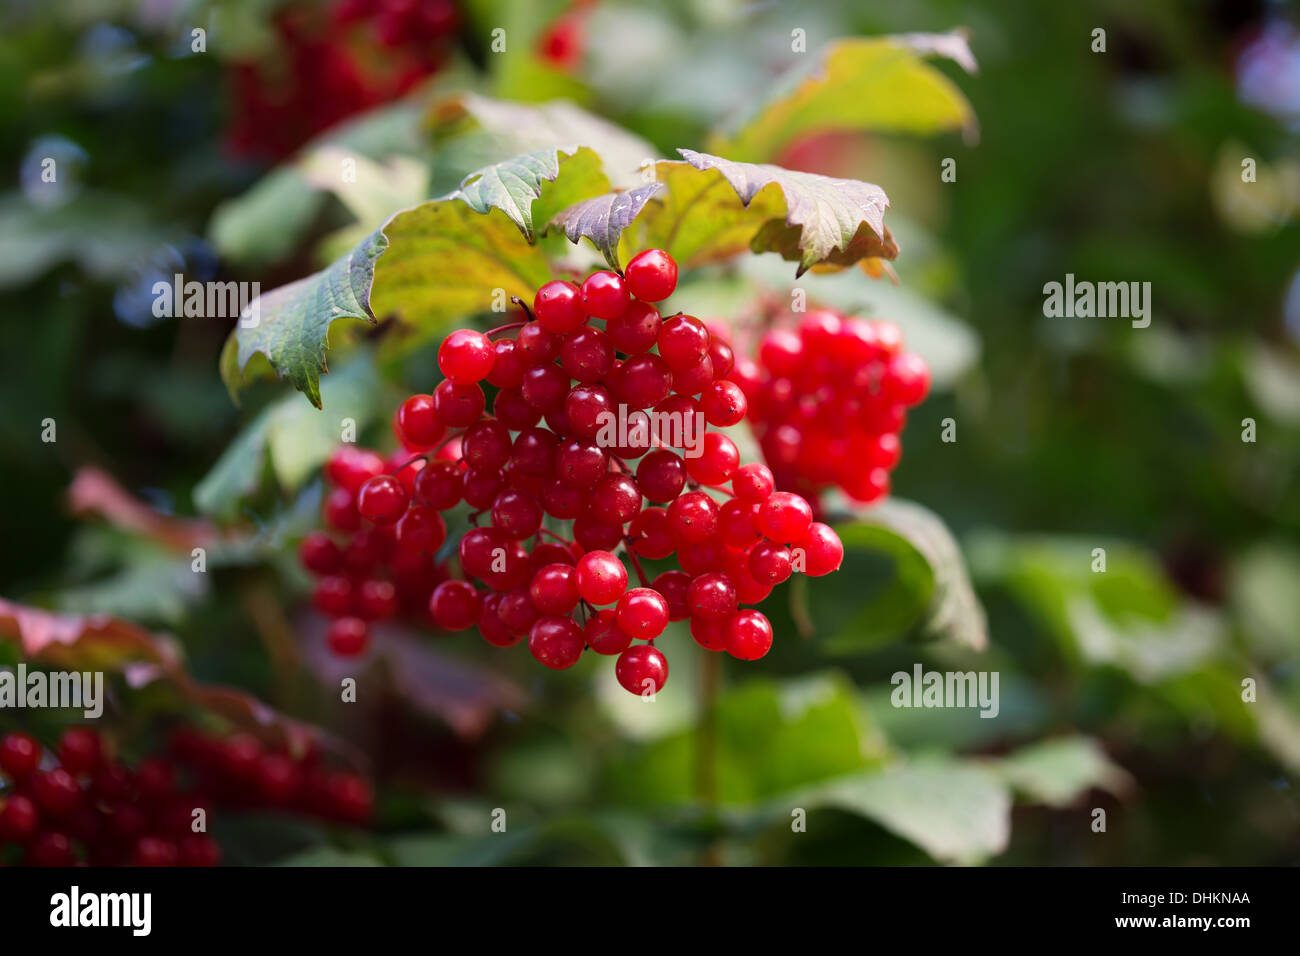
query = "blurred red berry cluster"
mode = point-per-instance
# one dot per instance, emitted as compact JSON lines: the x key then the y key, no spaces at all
{"x":78,"y":805}
{"x":331,"y":65}
{"x":828,"y":401}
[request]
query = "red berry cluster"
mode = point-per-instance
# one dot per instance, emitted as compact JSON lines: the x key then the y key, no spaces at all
{"x":561,"y":44}
{"x":828,"y":401}
{"x":80,"y":805}
{"x":658,"y":380}
{"x":369,"y":569}
{"x":364,"y":53}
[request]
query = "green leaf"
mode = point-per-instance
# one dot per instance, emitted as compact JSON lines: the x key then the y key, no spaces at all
{"x":603,"y":219}
{"x":295,"y":438}
{"x":930,"y":589}
{"x":331,"y":857}
{"x":515,"y":185}
{"x":956,"y":812}
{"x":269,"y":221}
{"x":875,"y":84}
{"x":472,"y":130}
{"x":714,"y":209}
{"x":1061,"y":771}
{"x":104,"y":234}
{"x":1265,"y":599}
{"x":836,"y":221}
{"x":153,"y":589}
{"x":266,"y":223}
{"x":770,"y":739}
{"x":1128,"y":616}
{"x":373,"y":190}
{"x":290,"y":325}
{"x":445,"y":261}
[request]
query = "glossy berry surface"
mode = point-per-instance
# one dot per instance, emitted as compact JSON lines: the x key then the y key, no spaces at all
{"x":593,"y":450}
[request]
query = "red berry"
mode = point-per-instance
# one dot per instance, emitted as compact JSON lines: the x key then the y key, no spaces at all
{"x":604,"y":296}
{"x":80,"y":750}
{"x":466,"y":357}
{"x":377,"y":600}
{"x":438,"y":485}
{"x":510,"y":366}
{"x":642,"y":670}
{"x":538,"y":344}
{"x":601,"y":577}
{"x":769,"y":563}
{"x":661,"y":475}
{"x":753,"y":483}
{"x":554,"y":589}
{"x":711,"y":595}
{"x":491,"y":626}
{"x":556,"y":642}
{"x":20,"y":754}
{"x":651,"y":275}
{"x":693,"y":517}
{"x":340,"y":510}
{"x":383,"y":499}
{"x":56,"y":791}
{"x":748,"y":635}
{"x":517,"y":513}
{"x":603,"y":634}
{"x":419,"y":422}
{"x":615,"y":499}
{"x":643,"y":613}
{"x":738,"y":523}
{"x":50,"y":849}
{"x":648,"y":534}
{"x":906,"y":379}
{"x":351,"y":467}
{"x":709,"y":634}
{"x":199,"y":849}
{"x":319,"y":554}
{"x":18,"y":818}
{"x":348,"y":636}
{"x":723,"y":403}
{"x":454,"y":605}
{"x":642,"y":381}
{"x":683,"y":342}
{"x":673,"y":585}
{"x":821,"y":548}
{"x":784,"y":517}
{"x":587,"y":355}
{"x":636,"y":330}
{"x":559,"y":308}
{"x":154,"y":851}
{"x":333,"y":595}
{"x":458,"y":404}
{"x":717,"y":461}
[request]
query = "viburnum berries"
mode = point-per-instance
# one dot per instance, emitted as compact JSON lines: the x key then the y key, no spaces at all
{"x":600,"y":431}
{"x":828,"y":402}
{"x":90,"y":808}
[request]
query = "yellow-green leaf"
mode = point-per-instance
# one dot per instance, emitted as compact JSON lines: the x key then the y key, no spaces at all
{"x":876,"y":84}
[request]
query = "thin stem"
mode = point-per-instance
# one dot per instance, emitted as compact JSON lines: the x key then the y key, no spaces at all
{"x":636,"y":563}
{"x":523,"y":305}
{"x":706,"y":755}
{"x":558,"y":537}
{"x":507,"y":327}
{"x":424,"y":455}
